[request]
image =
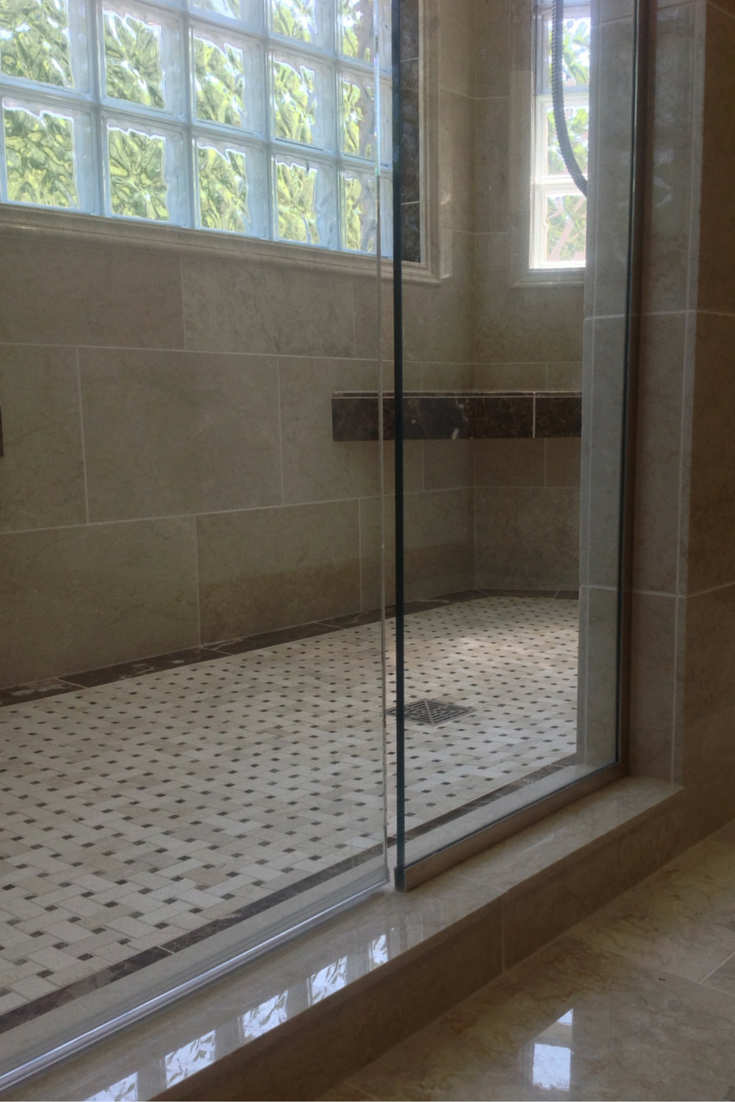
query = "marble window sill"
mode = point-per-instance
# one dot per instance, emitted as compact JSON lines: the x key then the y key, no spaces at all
{"x":313,"y":1011}
{"x":464,"y":415}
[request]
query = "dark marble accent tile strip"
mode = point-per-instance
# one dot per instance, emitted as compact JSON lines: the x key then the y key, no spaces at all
{"x":463,"y":415}
{"x":46,"y":1003}
{"x":490,"y":798}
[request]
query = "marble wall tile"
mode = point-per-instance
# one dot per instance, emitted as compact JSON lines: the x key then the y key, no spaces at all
{"x":492,"y":48}
{"x":511,"y":376}
{"x":564,"y":376}
{"x":658,"y":459}
{"x":69,"y":292}
{"x":668,"y":247}
{"x":373,"y":513}
{"x":492,"y":159}
{"x":42,"y":470}
{"x":78,"y":598}
{"x":653,"y":688}
{"x":270,"y":568}
{"x":457,"y":70}
{"x":527,"y":538}
{"x":256,"y":307}
{"x":717,"y":229}
{"x":439,"y":533}
{"x":438,"y":376}
{"x":562,"y":462}
{"x":448,"y":463}
{"x":522,"y":324}
{"x":710,"y":650}
{"x":439,"y":320}
{"x":598,"y":676}
{"x":459,"y":169}
{"x":179,"y":432}
{"x":711,"y":557}
{"x":315,"y":467}
{"x":509,"y":462}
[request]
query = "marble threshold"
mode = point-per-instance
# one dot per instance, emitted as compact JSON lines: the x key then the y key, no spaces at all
{"x":312,"y":1012}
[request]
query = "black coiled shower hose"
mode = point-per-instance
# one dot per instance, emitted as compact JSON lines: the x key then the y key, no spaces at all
{"x":557,"y":91}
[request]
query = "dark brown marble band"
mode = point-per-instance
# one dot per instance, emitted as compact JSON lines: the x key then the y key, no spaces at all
{"x":512,"y":415}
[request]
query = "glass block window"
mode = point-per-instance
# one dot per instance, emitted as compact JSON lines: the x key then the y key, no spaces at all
{"x":263,"y":118}
{"x":558,"y":208}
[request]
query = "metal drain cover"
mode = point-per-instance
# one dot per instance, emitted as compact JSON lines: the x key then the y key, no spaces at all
{"x":431,"y":713}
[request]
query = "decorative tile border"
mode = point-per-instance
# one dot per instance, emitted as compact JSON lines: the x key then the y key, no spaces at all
{"x":464,"y":415}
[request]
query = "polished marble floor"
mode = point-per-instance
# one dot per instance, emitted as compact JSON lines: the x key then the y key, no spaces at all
{"x":636,"y":1002}
{"x":139,"y":814}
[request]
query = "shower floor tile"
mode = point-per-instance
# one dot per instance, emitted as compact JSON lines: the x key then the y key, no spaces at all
{"x":136,"y":813}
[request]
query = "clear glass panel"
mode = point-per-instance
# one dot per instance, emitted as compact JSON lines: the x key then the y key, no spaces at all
{"x":35,"y":42}
{"x":513,"y":437}
{"x":40,"y":157}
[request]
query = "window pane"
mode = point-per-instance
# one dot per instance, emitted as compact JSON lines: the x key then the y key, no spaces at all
{"x":39,"y":153}
{"x":223,"y":189}
{"x":575,"y":52}
{"x":358,"y":117}
{"x":359,"y":212}
{"x":138,"y":187}
{"x":357,"y":30}
{"x":133,"y":59}
{"x":295,"y":102}
{"x":220,"y":82}
{"x":578,"y":122}
{"x":34,"y":41}
{"x":297,"y":203}
{"x":295,"y":18}
{"x":566,"y":228}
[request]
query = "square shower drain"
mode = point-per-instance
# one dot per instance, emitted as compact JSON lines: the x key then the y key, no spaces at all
{"x":431,"y":712}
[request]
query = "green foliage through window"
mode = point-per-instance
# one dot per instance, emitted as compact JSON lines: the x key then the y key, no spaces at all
{"x":223,"y":189}
{"x":297,"y":217}
{"x":578,"y":124}
{"x":39,"y":154}
{"x":575,"y":52}
{"x":34,"y":41}
{"x":220,"y":82}
{"x":138,"y":187}
{"x":358,"y":127}
{"x":295,"y":18}
{"x":295,"y":94}
{"x":359,"y":215}
{"x":356,"y":19}
{"x":133,"y":60}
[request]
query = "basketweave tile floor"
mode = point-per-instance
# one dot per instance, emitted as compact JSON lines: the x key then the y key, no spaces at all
{"x":138,"y":812}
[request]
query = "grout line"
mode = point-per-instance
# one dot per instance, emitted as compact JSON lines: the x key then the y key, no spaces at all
{"x":84,"y":449}
{"x":280,"y":426}
{"x":712,"y":589}
{"x":198,"y":589}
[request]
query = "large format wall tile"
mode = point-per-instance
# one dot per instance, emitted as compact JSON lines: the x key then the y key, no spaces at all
{"x":438,"y":321}
{"x":439,"y":535}
{"x":528,"y":537}
{"x":315,"y":468}
{"x":457,"y":61}
{"x":711,"y":559}
{"x":79,"y":598}
{"x":653,"y":688}
{"x":448,"y":463}
{"x":372,"y":516}
{"x":458,"y":165}
{"x":271,"y":568}
{"x":492,"y":165}
{"x":173,"y":432}
{"x":509,"y":462}
{"x":42,"y":471}
{"x":68,"y":292}
{"x":253,"y":307}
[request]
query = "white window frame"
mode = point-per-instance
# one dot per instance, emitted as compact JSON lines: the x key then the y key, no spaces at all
{"x":184,"y":228}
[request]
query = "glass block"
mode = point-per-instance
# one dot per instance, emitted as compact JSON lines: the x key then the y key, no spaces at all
{"x":566,"y":229}
{"x":233,"y":195}
{"x":578,"y":123}
{"x":359,"y":213}
{"x":230,"y":8}
{"x":142,"y":57}
{"x":228,"y":80}
{"x":385,"y":111}
{"x":306,"y":209}
{"x":303,"y":21}
{"x":249,"y":12}
{"x":385,"y":30}
{"x":302,"y":102}
{"x":357,"y":29}
{"x":146,"y":172}
{"x":35,"y":41}
{"x":386,"y":216}
{"x":358,"y":130}
{"x":40,"y":156}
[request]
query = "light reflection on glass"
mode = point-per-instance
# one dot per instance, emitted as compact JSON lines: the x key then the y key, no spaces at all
{"x":190,"y":1058}
{"x":126,"y":1090}
{"x":264,"y":1017}
{"x":552,"y":1055}
{"x":328,"y":980}
{"x":378,"y":952}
